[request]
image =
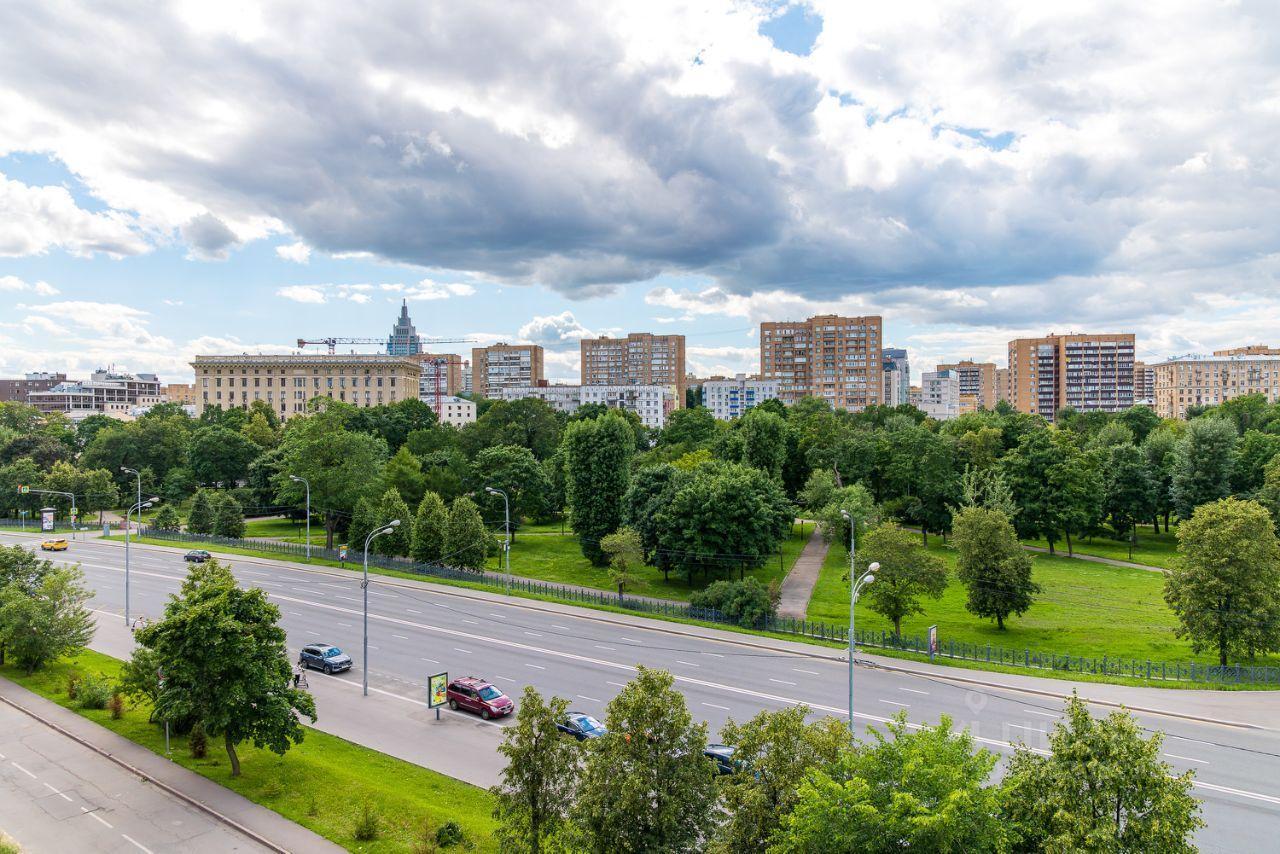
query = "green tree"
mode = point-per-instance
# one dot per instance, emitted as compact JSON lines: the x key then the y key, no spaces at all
{"x":1129,"y":494}
{"x":515,"y":471}
{"x":626,"y":557}
{"x":907,"y":572}
{"x":692,"y":427}
{"x":646,"y":786}
{"x":992,"y":565}
{"x":1159,"y":450}
{"x":429,"y":529}
{"x":912,"y":790}
{"x":167,"y":519}
{"x":258,"y":430}
{"x":403,"y":473}
{"x":650,"y":490}
{"x":764,"y":441}
{"x":98,"y":492}
{"x":226,"y":665}
{"x":219,"y":455}
{"x":1028,"y":469}
{"x":775,"y":752}
{"x":1256,"y":449}
{"x":747,"y":603}
{"x":1102,"y":788}
{"x":597,"y":457}
{"x":466,"y":542}
{"x":200,"y":517}
{"x":43,"y":621}
{"x":854,"y":500}
{"x":530,"y":423}
{"x":1204,"y":463}
{"x":1224,"y":586}
{"x":228,"y":517}
{"x":363,"y":521}
{"x":399,"y":540}
{"x":140,"y":678}
{"x":532,"y":802}
{"x":1076,"y":491}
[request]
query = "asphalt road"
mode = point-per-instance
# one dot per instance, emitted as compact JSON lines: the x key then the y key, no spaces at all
{"x":415,"y":630}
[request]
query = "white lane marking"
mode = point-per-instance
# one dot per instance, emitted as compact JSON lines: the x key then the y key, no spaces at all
{"x":536,"y":666}
{"x":472,"y":622}
{"x":305,"y":590}
{"x":1041,"y":714}
{"x":591,"y":699}
{"x":1186,"y":758}
{"x":616,"y":684}
{"x":345,"y":625}
{"x":914,"y":691}
{"x":411,"y":611}
{"x":440,"y":604}
{"x":461,"y":650}
{"x":505,"y":678}
{"x":401,"y":637}
{"x":56,"y":792}
{"x":327,"y":584}
{"x":317,"y":634}
{"x":630,"y":640}
{"x":533,"y":634}
{"x":892,"y":703}
{"x":607,"y":648}
{"x":97,"y":817}
{"x":385,"y":595}
{"x":349,"y":598}
{"x":686,"y":663}
{"x":1027,"y":728}
{"x":565,"y":628}
{"x":3,"y":757}
{"x":499,"y":616}
{"x":781,"y":681}
{"x":137,"y":843}
{"x":371,"y":646}
{"x":810,"y":672}
{"x":431,"y":660}
{"x":294,"y":613}
{"x":714,"y":706}
{"x":714,"y":654}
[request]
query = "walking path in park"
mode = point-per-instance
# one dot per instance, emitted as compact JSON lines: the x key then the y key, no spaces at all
{"x":798,"y":586}
{"x":1094,"y":558}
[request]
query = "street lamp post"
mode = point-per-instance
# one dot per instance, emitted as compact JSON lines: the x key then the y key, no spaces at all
{"x":385,"y":529}
{"x":304,"y":482}
{"x":856,"y":583}
{"x":138,"y":508}
{"x":506,"y":546}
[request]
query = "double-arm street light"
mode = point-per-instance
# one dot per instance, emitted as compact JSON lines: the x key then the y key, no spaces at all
{"x":385,"y":529}
{"x":856,"y":584}
{"x":506,"y":546}
{"x":304,"y":482}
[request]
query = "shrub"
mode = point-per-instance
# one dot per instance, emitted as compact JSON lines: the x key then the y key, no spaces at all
{"x":95,"y":692}
{"x":198,"y":742}
{"x":367,"y":826}
{"x":116,"y":705}
{"x":425,"y":842}
{"x":746,"y":602}
{"x":166,"y":519}
{"x":73,"y":685}
{"x":449,"y":834}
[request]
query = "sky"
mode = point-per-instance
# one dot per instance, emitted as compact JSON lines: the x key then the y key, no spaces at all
{"x":191,"y":177}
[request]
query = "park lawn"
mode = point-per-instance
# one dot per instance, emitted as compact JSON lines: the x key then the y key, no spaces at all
{"x":1152,"y":549}
{"x":559,"y":560}
{"x":321,"y":783}
{"x":1085,"y":609}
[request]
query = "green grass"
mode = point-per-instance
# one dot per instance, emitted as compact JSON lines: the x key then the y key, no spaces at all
{"x":1085,"y":609}
{"x":321,"y":783}
{"x":1152,"y":549}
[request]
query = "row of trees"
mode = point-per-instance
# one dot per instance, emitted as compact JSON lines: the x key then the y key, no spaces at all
{"x":42,"y":609}
{"x":804,"y":787}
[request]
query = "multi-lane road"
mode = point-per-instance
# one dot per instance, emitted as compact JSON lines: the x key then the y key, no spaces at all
{"x":416,"y":629}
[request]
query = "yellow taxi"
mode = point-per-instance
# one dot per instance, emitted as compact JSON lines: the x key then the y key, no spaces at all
{"x":58,"y":545}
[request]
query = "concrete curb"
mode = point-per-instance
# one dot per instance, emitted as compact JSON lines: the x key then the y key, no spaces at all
{"x":138,"y":772}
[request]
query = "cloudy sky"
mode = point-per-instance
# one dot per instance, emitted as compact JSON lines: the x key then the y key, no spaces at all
{"x":222,"y":177}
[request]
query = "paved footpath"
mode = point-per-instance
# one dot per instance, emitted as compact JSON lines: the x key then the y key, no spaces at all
{"x":1109,"y":561}
{"x":797,"y":587}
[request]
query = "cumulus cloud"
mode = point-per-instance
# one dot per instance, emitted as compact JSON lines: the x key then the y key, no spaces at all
{"x":209,"y":238}
{"x":311,"y":294}
{"x":12,"y":284}
{"x":298,"y":253}
{"x":34,"y":220}
{"x":555,"y":330}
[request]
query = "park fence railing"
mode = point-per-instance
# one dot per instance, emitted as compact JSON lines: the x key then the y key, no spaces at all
{"x":1138,"y":669}
{"x":32,"y":526}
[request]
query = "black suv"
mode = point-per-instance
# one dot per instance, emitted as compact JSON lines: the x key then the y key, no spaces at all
{"x":326,"y":657}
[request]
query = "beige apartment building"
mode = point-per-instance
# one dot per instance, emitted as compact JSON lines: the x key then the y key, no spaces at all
{"x":1090,"y":373}
{"x":288,"y":383}
{"x":1002,"y":384}
{"x":838,"y":359}
{"x":500,"y":366}
{"x":442,"y":369}
{"x":977,"y":380}
{"x":1249,"y":350}
{"x":179,"y":393}
{"x":1208,"y":380}
{"x":641,"y":358}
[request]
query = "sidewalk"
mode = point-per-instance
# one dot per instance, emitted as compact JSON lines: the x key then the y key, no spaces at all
{"x":1109,"y":561}
{"x":256,"y":822}
{"x":797,"y":587}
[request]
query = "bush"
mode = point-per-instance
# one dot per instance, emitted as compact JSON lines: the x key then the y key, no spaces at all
{"x":73,"y":685}
{"x":198,"y":742}
{"x":166,"y":519}
{"x":449,"y":834}
{"x":116,"y":705}
{"x":425,"y":842}
{"x":95,"y":692}
{"x":747,"y":603}
{"x":368,"y":826}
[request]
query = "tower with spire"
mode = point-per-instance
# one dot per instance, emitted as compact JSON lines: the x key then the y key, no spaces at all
{"x":404,"y":340}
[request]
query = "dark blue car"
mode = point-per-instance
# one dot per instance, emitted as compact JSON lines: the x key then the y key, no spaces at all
{"x":580,"y":726}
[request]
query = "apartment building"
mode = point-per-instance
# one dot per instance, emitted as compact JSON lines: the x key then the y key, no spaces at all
{"x":940,"y":394}
{"x":1208,"y":380}
{"x":440,"y":371}
{"x":977,"y":380}
{"x":838,"y":359}
{"x":107,"y":392}
{"x":1002,"y":385}
{"x":731,"y":398}
{"x":915,"y":397}
{"x":641,"y":358}
{"x":15,"y":390}
{"x":500,"y":366}
{"x":1090,"y":373}
{"x":288,"y":383}
{"x":897,"y":376}
{"x":182,"y":393}
{"x":1144,"y":384}
{"x":653,"y":403}
{"x":467,"y":379}
{"x":451,"y":409}
{"x":1249,"y":350}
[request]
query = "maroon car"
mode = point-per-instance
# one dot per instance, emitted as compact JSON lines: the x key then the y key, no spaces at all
{"x":477,"y":695}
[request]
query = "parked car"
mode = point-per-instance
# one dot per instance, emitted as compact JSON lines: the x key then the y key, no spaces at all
{"x":196,"y":556}
{"x":324,"y":656}
{"x":722,"y":756}
{"x":477,"y":695}
{"x":580,"y":726}
{"x":58,"y":545}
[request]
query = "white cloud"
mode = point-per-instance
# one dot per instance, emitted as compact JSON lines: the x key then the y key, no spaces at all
{"x":209,"y":237}
{"x":432,"y":290}
{"x":555,"y":330}
{"x":13,"y":284}
{"x":298,"y":253}
{"x":34,"y":220}
{"x":310,"y":294}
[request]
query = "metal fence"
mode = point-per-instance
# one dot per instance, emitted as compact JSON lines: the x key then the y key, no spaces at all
{"x":32,"y":526}
{"x":1156,"y":671}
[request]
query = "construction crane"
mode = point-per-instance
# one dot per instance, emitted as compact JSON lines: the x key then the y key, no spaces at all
{"x":332,"y":343}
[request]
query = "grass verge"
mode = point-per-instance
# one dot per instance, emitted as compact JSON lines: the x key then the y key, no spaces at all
{"x":1151,"y":549}
{"x":322,"y":783}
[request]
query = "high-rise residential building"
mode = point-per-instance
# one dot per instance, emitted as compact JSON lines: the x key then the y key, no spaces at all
{"x":641,"y":358}
{"x":288,"y":383}
{"x":467,"y":378}
{"x":897,"y":376}
{"x":977,"y":380}
{"x":940,"y":394}
{"x":1002,"y":384}
{"x":1249,"y":350}
{"x":1090,"y":373}
{"x":16,"y":390}
{"x":834,"y":358}
{"x":107,"y":392}
{"x":915,"y":397}
{"x":500,"y":366}
{"x":1144,"y":384}
{"x":182,"y":393}
{"x":440,"y":372}
{"x":1209,"y":380}
{"x":729,"y":399}
{"x":404,"y":340}
{"x":653,"y":403}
